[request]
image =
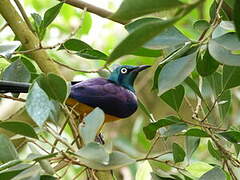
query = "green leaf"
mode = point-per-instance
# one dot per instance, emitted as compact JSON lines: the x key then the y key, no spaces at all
{"x":191,"y":83}
{"x":13,"y":171}
{"x":9,"y":164}
{"x":145,"y":109}
{"x":230,"y":77}
{"x":229,"y":41}
{"x":192,"y":144}
{"x":147,"y":52}
{"x":7,"y":150}
{"x":37,"y":24}
{"x":103,"y":160}
{"x":151,"y":129}
{"x":83,"y":49}
{"x":178,"y":153}
{"x":135,"y":8}
{"x":155,"y":78}
{"x":175,"y":129}
{"x":198,"y":168}
{"x":90,"y":150}
{"x":55,"y":87}
{"x":201,"y":25}
{"x":47,"y":177}
{"x":7,"y":49}
{"x":75,"y":45}
{"x":215,"y":153}
{"x":17,"y":72}
{"x":143,"y":171}
{"x":222,"y":54}
{"x":18,"y":127}
{"x":236,"y":18}
{"x":214,"y":174}
{"x":92,"y":54}
{"x":139,"y":37}
{"x":168,"y":38}
{"x":37,"y":157}
{"x":86,"y":24}
{"x":175,"y":72}
{"x":51,"y":14}
{"x":32,"y":173}
{"x":174,"y":97}
{"x":206,"y":64}
{"x":196,"y":132}
{"x":232,"y":136}
{"x":38,"y":104}
{"x":224,"y":102}
{"x":91,"y":125}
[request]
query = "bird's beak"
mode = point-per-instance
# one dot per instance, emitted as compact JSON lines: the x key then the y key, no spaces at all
{"x":140,"y":68}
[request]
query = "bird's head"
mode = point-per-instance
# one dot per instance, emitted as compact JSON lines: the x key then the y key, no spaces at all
{"x":125,"y":75}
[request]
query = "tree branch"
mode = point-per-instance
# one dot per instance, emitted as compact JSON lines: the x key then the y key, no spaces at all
{"x":93,"y":9}
{"x":26,"y":36}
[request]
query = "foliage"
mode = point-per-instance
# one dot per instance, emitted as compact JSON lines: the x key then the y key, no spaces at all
{"x":188,"y":128}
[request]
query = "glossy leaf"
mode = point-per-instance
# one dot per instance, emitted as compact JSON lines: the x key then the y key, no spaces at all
{"x":18,"y":127}
{"x":38,"y":105}
{"x":75,"y":45}
{"x":236,"y":18}
{"x":103,"y":161}
{"x":168,"y":38}
{"x":174,"y":97}
{"x":214,"y":174}
{"x":198,"y":168}
{"x":206,"y":64}
{"x":13,"y":171}
{"x":178,"y":153}
{"x":135,"y":8}
{"x":51,"y":14}
{"x":143,"y":171}
{"x":201,"y":25}
{"x":151,"y":129}
{"x":191,"y":83}
{"x":230,"y":77}
{"x":223,"y":55}
{"x":175,"y":129}
{"x":7,"y":150}
{"x":145,"y":109}
{"x":91,"y":125}
{"x":90,"y":151}
{"x":147,"y":52}
{"x":175,"y":72}
{"x":196,"y":132}
{"x":232,"y":136}
{"x":192,"y":144}
{"x":16,"y":71}
{"x":83,"y":49}
{"x":214,"y":152}
{"x":229,"y":41}
{"x":136,"y":39}
{"x":92,"y":54}
{"x":55,"y":87}
{"x":7,"y":49}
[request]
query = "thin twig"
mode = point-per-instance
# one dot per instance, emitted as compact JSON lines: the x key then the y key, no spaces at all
{"x":12,"y":98}
{"x":152,"y":146}
{"x":93,"y":9}
{"x":79,"y":174}
{"x":24,"y":15}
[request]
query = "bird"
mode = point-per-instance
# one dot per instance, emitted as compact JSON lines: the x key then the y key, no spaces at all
{"x":115,"y":95}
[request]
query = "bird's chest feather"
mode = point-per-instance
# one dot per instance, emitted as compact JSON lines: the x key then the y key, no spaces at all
{"x":116,"y":101}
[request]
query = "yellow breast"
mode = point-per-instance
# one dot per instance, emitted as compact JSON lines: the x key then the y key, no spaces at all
{"x":83,"y":109}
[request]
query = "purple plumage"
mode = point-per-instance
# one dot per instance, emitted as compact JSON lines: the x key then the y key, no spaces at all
{"x":113,"y":99}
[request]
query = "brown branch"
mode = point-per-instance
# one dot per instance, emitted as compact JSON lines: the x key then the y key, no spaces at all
{"x":12,"y":98}
{"x":93,"y":9}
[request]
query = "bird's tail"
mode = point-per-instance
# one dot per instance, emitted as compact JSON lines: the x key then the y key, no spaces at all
{"x":14,"y":87}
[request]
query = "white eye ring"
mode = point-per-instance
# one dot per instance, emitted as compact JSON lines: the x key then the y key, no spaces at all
{"x":124,"y":70}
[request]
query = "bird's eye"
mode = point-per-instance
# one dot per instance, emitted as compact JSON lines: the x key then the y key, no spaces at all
{"x":124,"y":70}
